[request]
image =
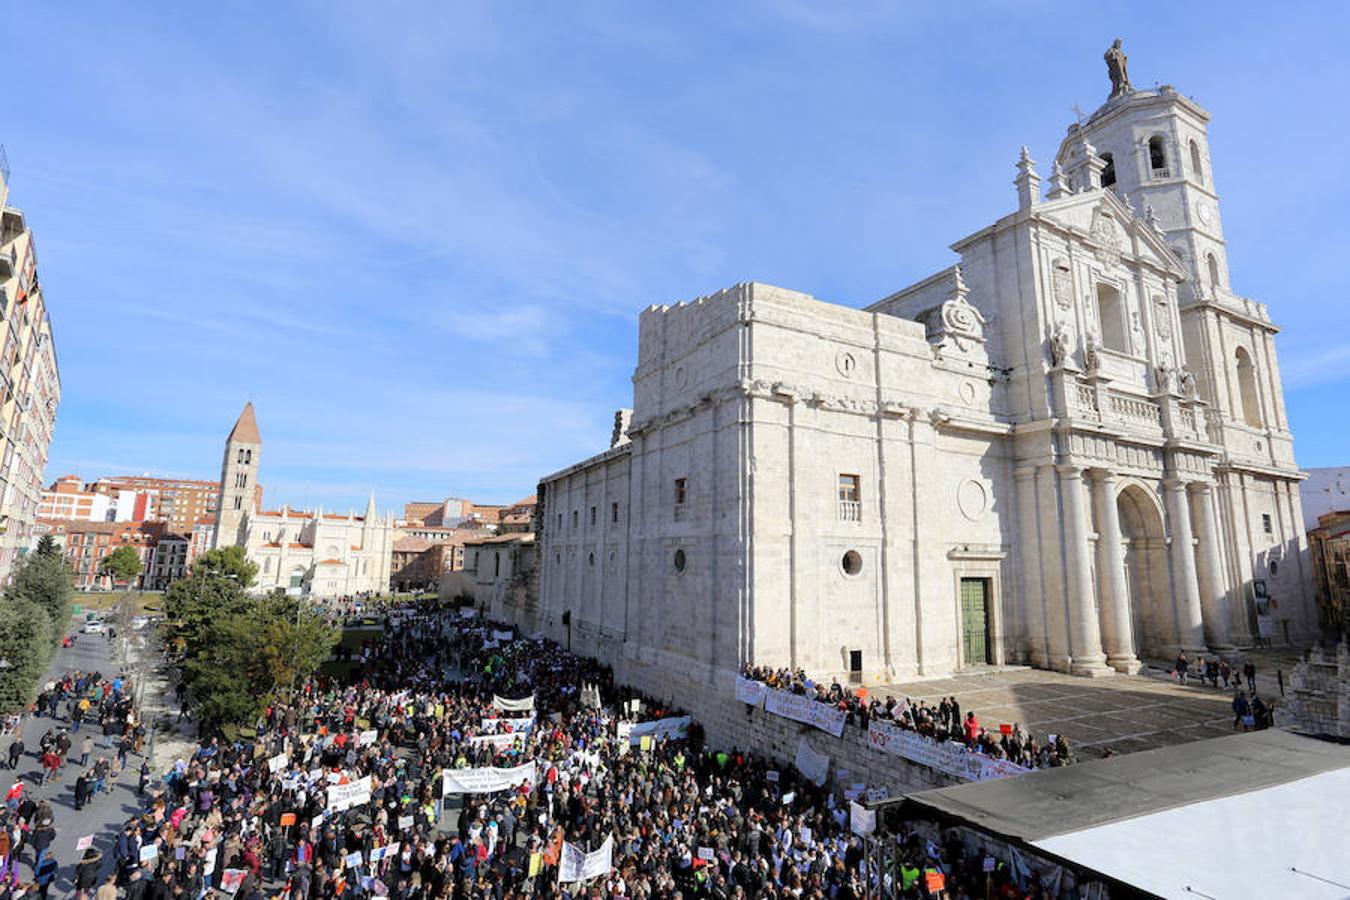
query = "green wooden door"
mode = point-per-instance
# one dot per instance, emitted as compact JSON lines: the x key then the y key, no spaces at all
{"x":975,"y":620}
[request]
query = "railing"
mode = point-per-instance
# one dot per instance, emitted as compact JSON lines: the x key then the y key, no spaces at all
{"x":1161,"y":173}
{"x":1138,"y":410}
{"x":850,"y":510}
{"x":1086,"y":397}
{"x":1188,"y":421}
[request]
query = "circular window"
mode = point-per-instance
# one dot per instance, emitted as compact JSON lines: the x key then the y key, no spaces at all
{"x":590,"y":560}
{"x":679,"y":560}
{"x":1274,"y":567}
{"x":852,"y":562}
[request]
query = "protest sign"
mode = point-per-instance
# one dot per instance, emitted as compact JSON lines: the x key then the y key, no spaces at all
{"x":345,"y":796}
{"x":353,"y":860}
{"x":486,"y":780}
{"x":366,"y":738}
{"x":149,"y":852}
{"x":524,"y":704}
{"x":405,"y":822}
{"x":771,"y":775}
{"x":861,"y":820}
{"x":231,"y":879}
{"x":577,"y":865}
{"x":502,"y":635}
{"x":85,"y":842}
{"x":674,"y":728}
{"x":287,"y":820}
{"x":276,"y":763}
{"x":706,"y":853}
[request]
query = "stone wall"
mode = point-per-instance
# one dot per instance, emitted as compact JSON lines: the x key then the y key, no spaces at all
{"x":731,"y":724}
{"x":1319,"y":694}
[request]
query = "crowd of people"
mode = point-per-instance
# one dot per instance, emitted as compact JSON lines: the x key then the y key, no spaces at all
{"x":1250,"y":711}
{"x":941,"y":721}
{"x":255,"y":817}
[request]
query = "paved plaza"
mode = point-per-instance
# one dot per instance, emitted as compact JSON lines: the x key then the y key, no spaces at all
{"x":1125,"y":713}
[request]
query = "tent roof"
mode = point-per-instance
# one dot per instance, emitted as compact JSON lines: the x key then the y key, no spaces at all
{"x":1057,"y":801}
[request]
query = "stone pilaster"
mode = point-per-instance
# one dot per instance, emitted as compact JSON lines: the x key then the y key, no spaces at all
{"x":1209,"y":564}
{"x":1190,"y":633}
{"x":1116,"y":624}
{"x":1084,"y":631}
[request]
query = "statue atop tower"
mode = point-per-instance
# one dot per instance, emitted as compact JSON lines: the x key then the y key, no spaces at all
{"x":1117,"y":67}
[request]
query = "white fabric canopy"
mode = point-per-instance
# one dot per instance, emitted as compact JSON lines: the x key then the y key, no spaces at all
{"x":1243,"y":845}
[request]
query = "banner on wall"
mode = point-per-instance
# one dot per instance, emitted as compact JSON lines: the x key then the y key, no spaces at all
{"x":944,"y":756}
{"x":750,"y":691}
{"x":815,"y":766}
{"x":807,"y":710}
{"x":485,"y":780}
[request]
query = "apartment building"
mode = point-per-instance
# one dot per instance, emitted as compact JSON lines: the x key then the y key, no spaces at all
{"x":30,"y":383}
{"x":68,"y":498}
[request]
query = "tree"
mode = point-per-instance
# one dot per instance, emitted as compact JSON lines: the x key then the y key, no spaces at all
{"x":27,"y":644}
{"x":48,"y":583}
{"x":240,"y":652}
{"x":47,"y":548}
{"x":123,"y":564}
{"x":227,"y":562}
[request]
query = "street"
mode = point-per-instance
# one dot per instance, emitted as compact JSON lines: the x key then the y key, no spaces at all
{"x":104,"y":815}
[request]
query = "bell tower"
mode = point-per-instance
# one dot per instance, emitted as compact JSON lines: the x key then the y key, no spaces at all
{"x":1155,"y":148}
{"x":238,"y":479}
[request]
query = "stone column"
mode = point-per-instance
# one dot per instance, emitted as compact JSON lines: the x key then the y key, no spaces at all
{"x":1210,"y":569}
{"x":1117,"y":628}
{"x":1029,"y":568}
{"x":1185,"y":588}
{"x":1084,"y":632}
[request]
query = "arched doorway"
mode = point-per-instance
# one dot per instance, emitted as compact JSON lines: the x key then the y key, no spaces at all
{"x":1146,"y":573}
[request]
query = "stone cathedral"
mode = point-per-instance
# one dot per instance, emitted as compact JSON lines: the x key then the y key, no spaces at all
{"x":1069,"y":449}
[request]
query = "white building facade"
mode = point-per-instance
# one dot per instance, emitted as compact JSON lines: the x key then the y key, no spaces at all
{"x":311,"y":553}
{"x":1069,"y":450}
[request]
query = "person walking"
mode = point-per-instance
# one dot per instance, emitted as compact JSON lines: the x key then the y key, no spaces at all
{"x":1240,"y":709}
{"x":1183,"y":664}
{"x":16,"y":749}
{"x":86,"y":874}
{"x":86,"y":747}
{"x":1249,"y":672}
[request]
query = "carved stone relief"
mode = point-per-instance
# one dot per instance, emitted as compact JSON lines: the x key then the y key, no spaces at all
{"x":1062,"y":282}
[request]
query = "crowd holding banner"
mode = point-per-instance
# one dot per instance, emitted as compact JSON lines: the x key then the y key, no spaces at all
{"x":935,"y":736}
{"x":616,"y":800}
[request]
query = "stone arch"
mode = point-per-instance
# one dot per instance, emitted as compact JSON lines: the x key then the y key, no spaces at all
{"x":1147,"y":577}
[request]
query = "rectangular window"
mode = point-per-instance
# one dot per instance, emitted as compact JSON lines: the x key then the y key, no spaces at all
{"x":574,"y":518}
{"x":850,"y":498}
{"x":614,"y":512}
{"x":1266,"y":524}
{"x":681,"y":491}
{"x":592,"y":516}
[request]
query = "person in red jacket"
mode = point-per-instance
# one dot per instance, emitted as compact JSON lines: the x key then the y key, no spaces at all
{"x":972,"y":728}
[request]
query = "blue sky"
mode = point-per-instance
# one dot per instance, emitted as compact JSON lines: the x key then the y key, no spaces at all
{"x":418,"y":236}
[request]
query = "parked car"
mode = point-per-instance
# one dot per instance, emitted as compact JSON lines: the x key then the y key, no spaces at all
{"x":94,"y":628}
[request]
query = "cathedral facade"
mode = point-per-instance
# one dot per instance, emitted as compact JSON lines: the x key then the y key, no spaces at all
{"x":306,"y":553}
{"x":1070,"y":450}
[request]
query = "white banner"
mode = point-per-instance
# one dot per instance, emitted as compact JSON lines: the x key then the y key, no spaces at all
{"x":807,"y":710}
{"x":502,"y":635}
{"x":467,"y":612}
{"x":861,"y":820}
{"x":670,"y":728}
{"x":575,"y":865}
{"x":751,"y":692}
{"x":276,"y":763}
{"x":815,"y":766}
{"x":485,"y":780}
{"x":523,"y":723}
{"x":525,"y":704}
{"x":945,"y":756}
{"x":496,"y":740}
{"x":345,"y":796}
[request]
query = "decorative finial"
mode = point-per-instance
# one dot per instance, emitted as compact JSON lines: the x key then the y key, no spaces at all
{"x":959,"y":289}
{"x":1059,"y":184}
{"x":1117,"y":69}
{"x":1027,"y":181}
